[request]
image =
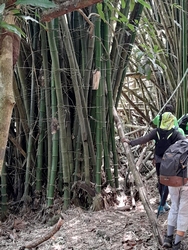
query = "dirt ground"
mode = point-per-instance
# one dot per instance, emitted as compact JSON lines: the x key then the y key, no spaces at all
{"x":115,"y":228}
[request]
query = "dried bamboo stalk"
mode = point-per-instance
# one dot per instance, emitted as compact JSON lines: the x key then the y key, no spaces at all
{"x":139,"y":183}
{"x":40,"y":240}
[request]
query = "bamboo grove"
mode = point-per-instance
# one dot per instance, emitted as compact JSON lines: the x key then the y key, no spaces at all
{"x":70,"y":74}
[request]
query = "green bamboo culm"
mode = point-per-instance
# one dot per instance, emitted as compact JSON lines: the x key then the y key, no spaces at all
{"x":48,"y":113}
{"x":28,"y":175}
{"x":81,"y":59}
{"x":4,"y":197}
{"x":184,"y":51}
{"x":55,"y":146}
{"x":134,"y":19}
{"x":40,"y":156}
{"x":107,"y":167}
{"x":83,"y":45}
{"x":41,"y":124}
{"x":78,"y":91}
{"x":61,"y":114}
{"x":86,"y":46}
{"x":120,"y":34}
{"x":99,"y":147}
{"x":52,"y":172}
{"x":109,"y":117}
{"x":76,"y":39}
{"x":68,"y":149}
{"x":22,"y":77}
{"x":60,"y":174}
{"x":87,"y":65}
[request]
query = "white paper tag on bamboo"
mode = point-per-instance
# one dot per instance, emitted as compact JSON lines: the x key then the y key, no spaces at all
{"x":96,"y":79}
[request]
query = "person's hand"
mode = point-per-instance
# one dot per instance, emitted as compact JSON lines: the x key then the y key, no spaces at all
{"x":125,"y":140}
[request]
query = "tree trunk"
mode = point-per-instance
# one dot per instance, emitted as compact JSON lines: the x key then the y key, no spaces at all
{"x":6,"y":88}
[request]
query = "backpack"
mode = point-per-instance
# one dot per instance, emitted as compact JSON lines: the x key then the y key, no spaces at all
{"x":163,"y":141}
{"x":173,"y":167}
{"x":183,"y":123}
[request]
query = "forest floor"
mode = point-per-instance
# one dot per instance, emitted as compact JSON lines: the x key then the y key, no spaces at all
{"x":115,"y":228}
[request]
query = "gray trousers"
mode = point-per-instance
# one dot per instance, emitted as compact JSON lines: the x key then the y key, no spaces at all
{"x":178,"y":214}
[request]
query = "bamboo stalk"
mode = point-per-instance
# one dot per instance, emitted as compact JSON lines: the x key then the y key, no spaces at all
{"x":40,"y":149}
{"x":4,"y":197}
{"x":99,"y":107}
{"x":75,"y":75}
{"x":31,"y":126}
{"x":185,"y":52}
{"x":127,"y":48}
{"x":138,"y":181}
{"x":61,"y":115}
{"x":47,"y":236}
{"x":109,"y":118}
{"x":47,"y":102}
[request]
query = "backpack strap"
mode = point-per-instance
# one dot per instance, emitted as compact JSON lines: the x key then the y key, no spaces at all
{"x":169,"y":133}
{"x":158,"y":135}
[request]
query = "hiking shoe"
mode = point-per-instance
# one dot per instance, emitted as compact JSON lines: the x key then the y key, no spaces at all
{"x":177,"y":246}
{"x":166,"y":206}
{"x":168,"y":241}
{"x":161,"y":210}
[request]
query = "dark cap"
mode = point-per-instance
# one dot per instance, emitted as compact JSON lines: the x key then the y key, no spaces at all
{"x":168,"y":108}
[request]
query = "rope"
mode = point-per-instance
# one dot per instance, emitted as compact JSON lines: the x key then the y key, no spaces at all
{"x":174,"y":90}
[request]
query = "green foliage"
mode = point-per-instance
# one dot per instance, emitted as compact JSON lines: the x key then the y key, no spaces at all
{"x":147,"y":69}
{"x":101,"y":12}
{"x":42,"y":3}
{"x":16,"y":12}
{"x":119,"y":16}
{"x":123,"y":4}
{"x":144,"y":4}
{"x":147,"y":59}
{"x":177,"y":6}
{"x":2,"y":8}
{"x":12,"y":28}
{"x":161,"y":65}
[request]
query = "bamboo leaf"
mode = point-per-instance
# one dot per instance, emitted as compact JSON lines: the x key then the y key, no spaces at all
{"x":26,"y":18}
{"x":112,"y":9}
{"x":140,"y":70}
{"x":177,"y":6}
{"x":123,"y":3}
{"x":147,"y":71}
{"x":15,"y":12}
{"x":41,"y":3}
{"x":144,"y":4}
{"x":12,"y":28}
{"x":155,"y":48}
{"x":2,"y":8}
{"x":121,"y":18}
{"x":100,"y":11}
{"x":161,"y":65}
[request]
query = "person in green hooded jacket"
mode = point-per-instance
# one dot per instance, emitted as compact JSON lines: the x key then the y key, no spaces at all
{"x":183,"y":123}
{"x":168,"y":108}
{"x":164,"y":136}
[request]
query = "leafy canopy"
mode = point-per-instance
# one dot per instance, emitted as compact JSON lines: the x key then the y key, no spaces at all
{"x":42,"y":3}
